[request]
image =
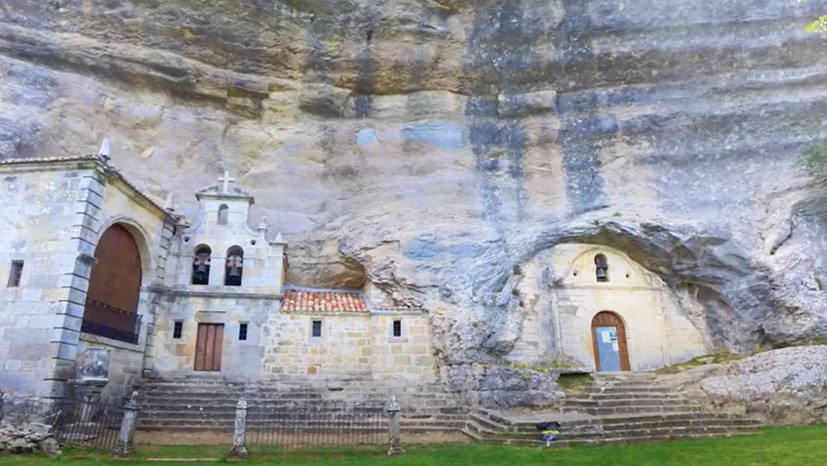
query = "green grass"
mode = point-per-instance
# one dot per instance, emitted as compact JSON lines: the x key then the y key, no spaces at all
{"x":700,"y":361}
{"x":574,"y":383}
{"x":793,"y":446}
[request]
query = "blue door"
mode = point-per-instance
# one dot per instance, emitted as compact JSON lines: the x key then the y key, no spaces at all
{"x":608,"y":349}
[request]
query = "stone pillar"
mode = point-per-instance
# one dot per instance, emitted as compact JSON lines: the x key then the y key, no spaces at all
{"x":239,"y":449}
{"x":127,"y":433}
{"x":91,"y":376}
{"x":395,"y":444}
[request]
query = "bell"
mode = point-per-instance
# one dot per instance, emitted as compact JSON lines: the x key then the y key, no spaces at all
{"x":201,"y":269}
{"x":235,"y":272}
{"x":601,"y":274}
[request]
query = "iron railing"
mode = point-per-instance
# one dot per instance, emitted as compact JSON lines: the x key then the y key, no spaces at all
{"x":318,"y":424}
{"x":108,"y":321}
{"x":91,"y":422}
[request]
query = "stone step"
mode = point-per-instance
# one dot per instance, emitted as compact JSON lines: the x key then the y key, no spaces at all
{"x":485,"y":422}
{"x":632,"y":418}
{"x":151,"y":415}
{"x":206,"y":395}
{"x":626,"y":395}
{"x":477,"y":431}
{"x":621,"y":390}
{"x":609,"y":441}
{"x":635,"y":409}
{"x":633,"y":429}
{"x":615,"y":402}
{"x":676,"y":432}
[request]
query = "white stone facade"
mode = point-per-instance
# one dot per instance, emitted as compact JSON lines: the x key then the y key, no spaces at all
{"x":562,"y":295}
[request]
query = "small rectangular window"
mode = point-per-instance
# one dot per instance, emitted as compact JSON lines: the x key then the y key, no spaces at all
{"x":177,"y":328}
{"x":242,"y":332}
{"x":397,"y":328}
{"x":15,"y":274}
{"x":317,"y":328}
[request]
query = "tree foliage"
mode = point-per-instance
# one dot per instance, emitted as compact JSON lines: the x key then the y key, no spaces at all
{"x":819,"y":25}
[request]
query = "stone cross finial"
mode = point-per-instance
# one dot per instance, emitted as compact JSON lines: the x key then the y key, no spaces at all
{"x":170,"y":204}
{"x":104,"y":150}
{"x":226,"y":180}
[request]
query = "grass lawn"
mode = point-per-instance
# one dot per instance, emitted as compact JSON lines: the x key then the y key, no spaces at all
{"x":804,"y":446}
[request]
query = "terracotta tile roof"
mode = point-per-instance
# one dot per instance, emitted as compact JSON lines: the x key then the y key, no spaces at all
{"x":323,"y":302}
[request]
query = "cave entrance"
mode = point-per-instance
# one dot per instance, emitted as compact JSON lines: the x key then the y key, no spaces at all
{"x":609,"y":339}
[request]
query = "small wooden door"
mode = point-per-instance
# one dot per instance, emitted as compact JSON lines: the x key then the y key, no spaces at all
{"x":208,"y":347}
{"x":609,"y":340}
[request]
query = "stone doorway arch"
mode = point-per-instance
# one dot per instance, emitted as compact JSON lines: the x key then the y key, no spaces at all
{"x":611,"y":353}
{"x":111,"y":308}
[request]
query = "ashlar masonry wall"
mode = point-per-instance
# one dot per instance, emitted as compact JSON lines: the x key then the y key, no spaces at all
{"x":152,"y":229}
{"x":241,"y":359}
{"x":39,"y":208}
{"x":350,"y":346}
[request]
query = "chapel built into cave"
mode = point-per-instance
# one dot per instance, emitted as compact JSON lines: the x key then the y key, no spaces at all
{"x":92,"y":262}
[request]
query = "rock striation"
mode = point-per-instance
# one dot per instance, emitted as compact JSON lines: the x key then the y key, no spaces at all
{"x":434,"y":146}
{"x":785,"y":386}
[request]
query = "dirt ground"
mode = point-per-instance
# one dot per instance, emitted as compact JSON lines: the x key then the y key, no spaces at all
{"x":218,"y":437}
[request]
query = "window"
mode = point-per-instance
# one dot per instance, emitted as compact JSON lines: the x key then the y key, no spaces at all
{"x":201,"y":265}
{"x":397,"y":328}
{"x":177,"y":329}
{"x":223,"y":214}
{"x":242,"y":332}
{"x":234,"y":267}
{"x":317,"y":328}
{"x":15,"y":274}
{"x":601,"y":268}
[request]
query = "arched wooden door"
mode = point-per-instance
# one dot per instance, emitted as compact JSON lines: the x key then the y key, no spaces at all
{"x":609,"y":340}
{"x":114,"y":287}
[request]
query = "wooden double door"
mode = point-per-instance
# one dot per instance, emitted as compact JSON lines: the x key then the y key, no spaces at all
{"x":208,"y":347}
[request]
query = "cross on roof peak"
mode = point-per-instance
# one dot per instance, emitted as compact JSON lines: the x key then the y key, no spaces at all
{"x":226,"y":180}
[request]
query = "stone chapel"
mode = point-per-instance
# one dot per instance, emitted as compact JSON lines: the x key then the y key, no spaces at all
{"x":93,"y":263}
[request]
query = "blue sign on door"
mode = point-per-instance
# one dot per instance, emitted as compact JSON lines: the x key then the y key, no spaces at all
{"x":607,"y":349}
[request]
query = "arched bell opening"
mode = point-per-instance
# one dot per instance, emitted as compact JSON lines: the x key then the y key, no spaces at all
{"x":201,"y":265}
{"x":234,"y":266}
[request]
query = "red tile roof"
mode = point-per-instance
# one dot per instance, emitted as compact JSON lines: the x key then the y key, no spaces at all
{"x":323,"y":302}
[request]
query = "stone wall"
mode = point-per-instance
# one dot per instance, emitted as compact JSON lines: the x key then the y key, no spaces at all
{"x":241,"y":360}
{"x":126,"y":363}
{"x":351,"y":346}
{"x":151,"y":228}
{"x":39,"y":213}
{"x":409,"y":356}
{"x":561,"y":295}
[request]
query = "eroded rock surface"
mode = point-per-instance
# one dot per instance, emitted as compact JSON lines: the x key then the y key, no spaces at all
{"x":433,"y":146}
{"x":786,"y":386}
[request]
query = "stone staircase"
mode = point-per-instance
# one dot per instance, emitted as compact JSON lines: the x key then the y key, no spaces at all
{"x":209,"y":405}
{"x":614,"y":409}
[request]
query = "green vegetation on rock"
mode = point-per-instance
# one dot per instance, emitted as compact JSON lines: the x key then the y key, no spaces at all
{"x":717,"y":358}
{"x":819,"y":25}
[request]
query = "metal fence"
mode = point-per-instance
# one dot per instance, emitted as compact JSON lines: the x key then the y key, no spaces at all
{"x":320,"y":423}
{"x":77,"y":421}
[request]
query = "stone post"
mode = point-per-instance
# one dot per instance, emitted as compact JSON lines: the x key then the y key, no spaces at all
{"x":395,"y":444}
{"x":239,"y":449}
{"x":127,"y":433}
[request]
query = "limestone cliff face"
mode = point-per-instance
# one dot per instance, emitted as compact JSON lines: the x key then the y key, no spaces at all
{"x":432,"y":146}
